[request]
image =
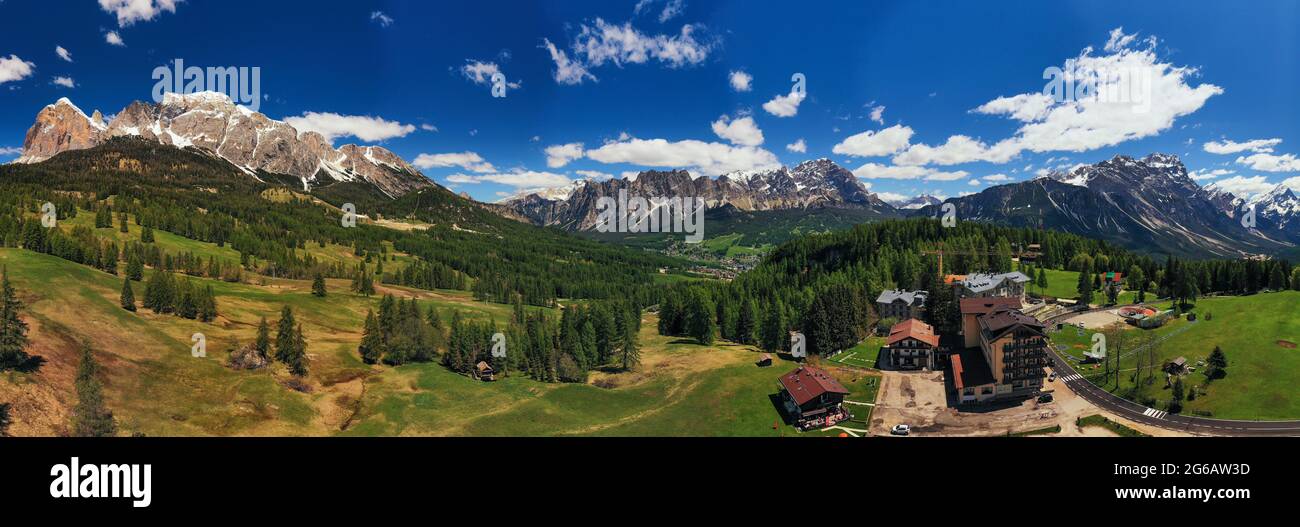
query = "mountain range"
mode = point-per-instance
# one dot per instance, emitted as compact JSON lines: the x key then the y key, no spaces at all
{"x":1149,"y":204}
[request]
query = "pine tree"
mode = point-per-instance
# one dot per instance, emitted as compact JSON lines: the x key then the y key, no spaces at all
{"x":628,"y":347}
{"x":284,"y":336}
{"x":372,"y":347}
{"x":263,"y":342}
{"x":318,"y":285}
{"x":91,"y":418}
{"x":121,"y":223}
{"x":134,"y":267}
{"x":1085,"y":283}
{"x":207,"y":305}
{"x":1177,"y":394}
{"x":297,"y":360}
{"x":774,"y":329}
{"x":700,"y":315}
{"x":1218,"y":364}
{"x":1042,"y":281}
{"x":13,"y":330}
{"x":146,"y":235}
{"x":128,"y":297}
{"x":747,"y":323}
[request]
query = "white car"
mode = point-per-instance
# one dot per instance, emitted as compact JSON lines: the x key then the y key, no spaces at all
{"x":901,"y":430}
{"x":1052,"y":377}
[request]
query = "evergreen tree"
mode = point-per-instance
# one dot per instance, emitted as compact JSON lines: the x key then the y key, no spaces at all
{"x":121,"y":223}
{"x":263,"y":342}
{"x":1042,"y":281}
{"x":318,"y":285}
{"x":207,"y":304}
{"x":1177,"y":394}
{"x":284,"y":336}
{"x":774,"y":329}
{"x":628,"y":348}
{"x":1085,"y":283}
{"x":297,"y":360}
{"x":13,"y":330}
{"x":128,"y":297}
{"x":1217,"y":364}
{"x":699,"y":317}
{"x":146,"y":235}
{"x":372,"y":348}
{"x":747,"y":323}
{"x":91,"y":418}
{"x":1137,"y":281}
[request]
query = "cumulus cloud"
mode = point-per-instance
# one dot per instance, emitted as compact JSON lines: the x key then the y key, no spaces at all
{"x":560,"y":155}
{"x":709,"y":159}
{"x":742,"y":131}
{"x":1264,"y":162}
{"x":63,"y":53}
{"x":594,"y":175}
{"x":741,"y":81}
{"x":875,"y":142}
{"x":1228,"y":146}
{"x":1201,"y":175}
{"x":601,"y":43}
{"x":518,"y":178}
{"x":113,"y":38}
{"x":1079,"y":124}
{"x":10,"y":150}
{"x":1242,"y":186}
{"x":15,"y":69}
{"x":332,"y":125}
{"x":467,"y":160}
{"x":66,"y":82}
{"x":798,"y":146}
{"x":131,"y":11}
{"x":567,"y":71}
{"x":878,"y":114}
{"x":998,"y":178}
{"x":1292,"y":183}
{"x":380,"y":18}
{"x":879,"y":171}
{"x":481,"y":73}
{"x":785,"y":105}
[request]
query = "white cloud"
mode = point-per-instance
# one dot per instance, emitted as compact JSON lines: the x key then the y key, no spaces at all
{"x":113,"y":38}
{"x":380,"y":18}
{"x":798,"y":146}
{"x":1201,"y":175}
{"x":63,"y":53}
{"x":518,"y":178}
{"x":604,"y":43}
{"x":332,"y":125}
{"x":671,"y":10}
{"x":709,"y":159}
{"x":879,"y":171}
{"x":10,"y":150}
{"x":429,"y":128}
{"x":1118,"y":40}
{"x":741,"y":81}
{"x":467,"y":160}
{"x":1264,"y":162}
{"x":997,"y":178}
{"x":976,"y":182}
{"x":567,"y":71}
{"x":66,"y":82}
{"x":878,"y":114}
{"x":785,"y":105}
{"x":1087,"y":123}
{"x":1292,"y":183}
{"x":1228,"y":146}
{"x":893,"y":197}
{"x":481,"y":73}
{"x":875,"y":142}
{"x":560,"y":155}
{"x":742,"y":131}
{"x":1243,"y":187}
{"x":594,"y":174}
{"x":131,"y":11}
{"x":14,"y":69}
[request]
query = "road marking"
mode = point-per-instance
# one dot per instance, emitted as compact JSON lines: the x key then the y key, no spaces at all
{"x":1152,"y":412}
{"x":1072,"y":377}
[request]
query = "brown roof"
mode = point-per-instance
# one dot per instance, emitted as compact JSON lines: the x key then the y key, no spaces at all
{"x":806,"y":383}
{"x":914,"y":329}
{"x":765,"y":356}
{"x":999,"y":321}
{"x":482,"y":366}
{"x":981,"y":306}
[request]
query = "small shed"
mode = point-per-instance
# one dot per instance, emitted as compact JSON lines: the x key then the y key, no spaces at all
{"x":1176,"y":366}
{"x":484,"y":371}
{"x":764,"y":360}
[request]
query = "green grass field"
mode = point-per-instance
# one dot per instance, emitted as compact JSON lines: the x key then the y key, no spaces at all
{"x":863,"y":355}
{"x":1262,"y":373}
{"x":155,"y":387}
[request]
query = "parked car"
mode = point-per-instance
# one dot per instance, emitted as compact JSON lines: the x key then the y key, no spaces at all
{"x":901,"y":430}
{"x":1045,"y":398}
{"x":1052,"y":377}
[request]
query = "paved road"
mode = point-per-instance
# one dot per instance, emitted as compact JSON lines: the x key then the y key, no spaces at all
{"x":1150,"y":416}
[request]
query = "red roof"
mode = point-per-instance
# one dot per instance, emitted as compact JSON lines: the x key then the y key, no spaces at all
{"x":806,"y":383}
{"x":915,"y":329}
{"x":984,"y":306}
{"x":956,"y":372}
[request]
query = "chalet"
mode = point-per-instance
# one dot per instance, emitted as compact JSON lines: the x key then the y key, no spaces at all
{"x":1112,"y":278}
{"x":982,"y":285}
{"x":812,"y":398}
{"x":973,"y":308}
{"x":764,"y":360}
{"x":1031,"y":253}
{"x":1015,"y":346}
{"x":484,"y":371}
{"x":911,"y":345}
{"x":1176,"y":366}
{"x":901,"y":304}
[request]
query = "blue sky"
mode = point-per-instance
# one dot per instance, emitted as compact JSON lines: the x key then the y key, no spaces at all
{"x":913,"y":96}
